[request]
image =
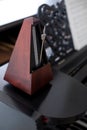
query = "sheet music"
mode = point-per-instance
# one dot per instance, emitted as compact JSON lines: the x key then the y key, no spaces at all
{"x":77,"y":14}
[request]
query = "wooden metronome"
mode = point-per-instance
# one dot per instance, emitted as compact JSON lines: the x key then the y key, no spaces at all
{"x":25,"y":71}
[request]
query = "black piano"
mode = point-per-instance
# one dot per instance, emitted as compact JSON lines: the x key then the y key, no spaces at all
{"x":61,"y":105}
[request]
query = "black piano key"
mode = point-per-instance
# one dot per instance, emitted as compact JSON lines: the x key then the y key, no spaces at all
{"x":81,"y":124}
{"x":84,"y":119}
{"x":74,"y":127}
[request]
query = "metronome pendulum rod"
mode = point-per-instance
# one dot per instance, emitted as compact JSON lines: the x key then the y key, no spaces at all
{"x":43,"y":36}
{"x":35,"y":46}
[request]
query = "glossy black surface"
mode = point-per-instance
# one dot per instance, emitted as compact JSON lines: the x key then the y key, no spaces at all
{"x":64,"y":99}
{"x":11,"y":119}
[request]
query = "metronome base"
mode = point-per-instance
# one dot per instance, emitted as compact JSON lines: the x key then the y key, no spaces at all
{"x":36,"y":80}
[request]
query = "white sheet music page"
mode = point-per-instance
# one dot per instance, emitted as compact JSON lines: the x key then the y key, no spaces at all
{"x":77,"y":14}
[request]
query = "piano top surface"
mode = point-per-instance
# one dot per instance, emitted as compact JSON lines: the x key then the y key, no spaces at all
{"x":17,"y":120}
{"x":64,"y":98}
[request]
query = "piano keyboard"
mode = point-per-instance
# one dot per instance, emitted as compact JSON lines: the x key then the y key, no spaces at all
{"x":79,"y":124}
{"x":77,"y":68}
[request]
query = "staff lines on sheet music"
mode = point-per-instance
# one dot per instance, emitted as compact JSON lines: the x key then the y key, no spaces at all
{"x":75,"y":4}
{"x":77,"y":14}
{"x":78,"y":24}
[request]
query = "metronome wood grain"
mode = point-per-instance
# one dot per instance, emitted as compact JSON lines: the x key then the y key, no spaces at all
{"x":19,"y":71}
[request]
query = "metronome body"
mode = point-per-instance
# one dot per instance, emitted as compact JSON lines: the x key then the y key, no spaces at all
{"x":24,"y":69}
